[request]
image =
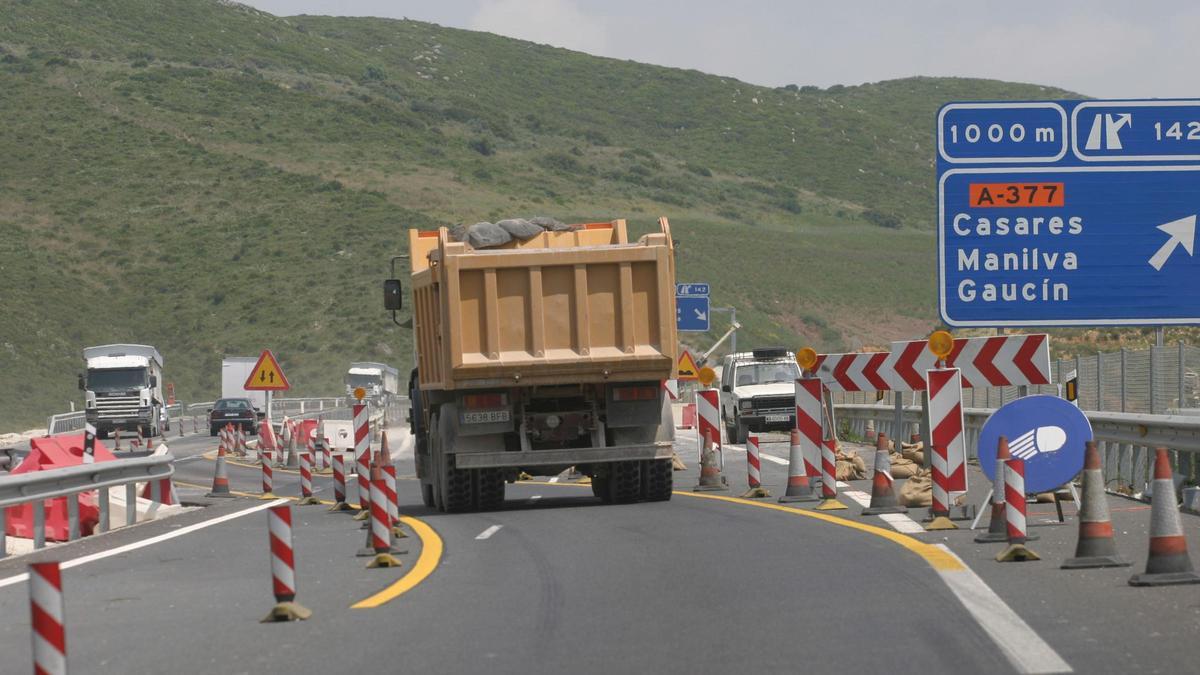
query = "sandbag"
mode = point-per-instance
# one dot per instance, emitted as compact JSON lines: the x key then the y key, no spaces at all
{"x":914,"y":454}
{"x":850,"y":466}
{"x":903,"y":467}
{"x":846,"y":471}
{"x":918,"y":490}
{"x":487,"y":235}
{"x":550,"y":224}
{"x":520,"y":228}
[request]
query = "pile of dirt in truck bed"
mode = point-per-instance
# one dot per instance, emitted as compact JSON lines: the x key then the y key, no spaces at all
{"x":490,"y":235}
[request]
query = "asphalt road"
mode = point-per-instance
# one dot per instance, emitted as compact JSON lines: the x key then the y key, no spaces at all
{"x":557,"y":582}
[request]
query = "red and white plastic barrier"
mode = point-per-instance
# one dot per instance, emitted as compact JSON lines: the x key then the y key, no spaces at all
{"x":46,"y":609}
{"x":808,"y":421}
{"x":941,"y":493}
{"x":283,"y":561}
{"x":1014,"y":500}
{"x":306,"y":475}
{"x":381,"y":528}
{"x":946,"y":425}
{"x":339,"y":478}
{"x":828,"y":470}
{"x":268,"y":475}
{"x":708,"y":410}
{"x":362,"y":454}
{"x":753,"y":462}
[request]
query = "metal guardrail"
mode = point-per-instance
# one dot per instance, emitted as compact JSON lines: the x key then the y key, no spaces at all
{"x":36,"y":487}
{"x":1126,"y":440}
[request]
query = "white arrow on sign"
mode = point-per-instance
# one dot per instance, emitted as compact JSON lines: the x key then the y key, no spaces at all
{"x":700,"y":316}
{"x":1182,"y":231}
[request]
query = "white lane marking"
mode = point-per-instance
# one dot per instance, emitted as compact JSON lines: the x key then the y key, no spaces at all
{"x":533,"y":498}
{"x":189,"y":459}
{"x":1026,"y":651}
{"x":489,"y":532}
{"x":763,"y":455}
{"x":555,"y":480}
{"x":902,"y":523}
{"x":863,"y":499}
{"x":83,"y":560}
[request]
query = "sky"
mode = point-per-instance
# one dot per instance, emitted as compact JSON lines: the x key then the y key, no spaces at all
{"x":1099,"y":48}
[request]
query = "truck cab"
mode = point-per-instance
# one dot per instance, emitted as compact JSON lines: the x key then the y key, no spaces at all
{"x":758,"y":392}
{"x":123,"y":389}
{"x":380,"y":381}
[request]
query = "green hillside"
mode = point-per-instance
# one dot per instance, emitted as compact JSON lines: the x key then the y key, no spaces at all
{"x":214,"y":180}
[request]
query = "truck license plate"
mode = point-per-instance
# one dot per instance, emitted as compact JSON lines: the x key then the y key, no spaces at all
{"x":485,"y":417}
{"x":778,"y":418}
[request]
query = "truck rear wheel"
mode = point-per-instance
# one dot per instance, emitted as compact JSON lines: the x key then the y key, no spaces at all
{"x":658,"y":480}
{"x":624,"y":482}
{"x":489,"y":488}
{"x":456,"y":486}
{"x":600,"y":488}
{"x":427,"y":494}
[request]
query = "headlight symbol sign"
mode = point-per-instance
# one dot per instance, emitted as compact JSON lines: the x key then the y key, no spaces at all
{"x":1047,"y":432}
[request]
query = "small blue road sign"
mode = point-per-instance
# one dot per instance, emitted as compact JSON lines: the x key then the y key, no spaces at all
{"x":691,"y":313}
{"x":1045,"y":431}
{"x":1068,"y":213}
{"x":691,"y":289}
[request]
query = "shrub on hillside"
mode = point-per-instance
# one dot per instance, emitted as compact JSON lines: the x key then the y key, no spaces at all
{"x":482,"y":145}
{"x":882,"y":219}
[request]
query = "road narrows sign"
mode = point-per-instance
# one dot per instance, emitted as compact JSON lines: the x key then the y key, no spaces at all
{"x":267,"y":375}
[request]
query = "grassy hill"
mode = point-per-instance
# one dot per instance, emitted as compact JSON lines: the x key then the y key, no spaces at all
{"x":214,"y":180}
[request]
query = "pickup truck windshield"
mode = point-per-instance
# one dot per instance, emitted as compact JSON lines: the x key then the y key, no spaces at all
{"x":116,"y":379}
{"x":765,"y":373}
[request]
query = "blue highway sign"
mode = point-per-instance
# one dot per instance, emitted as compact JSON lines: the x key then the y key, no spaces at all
{"x":1045,"y":431}
{"x":691,"y":289}
{"x":691,"y":313}
{"x":1068,"y":213}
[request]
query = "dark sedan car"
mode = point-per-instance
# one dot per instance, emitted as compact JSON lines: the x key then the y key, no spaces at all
{"x":239,"y":412}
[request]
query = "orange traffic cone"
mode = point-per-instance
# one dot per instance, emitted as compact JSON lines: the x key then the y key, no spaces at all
{"x":883,"y":497}
{"x":1169,"y":563}
{"x":1096,"y":547}
{"x":711,"y":479}
{"x":799,"y":489}
{"x":220,"y":485}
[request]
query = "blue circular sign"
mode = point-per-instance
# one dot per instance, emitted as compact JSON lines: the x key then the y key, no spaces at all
{"x":1047,"y":432}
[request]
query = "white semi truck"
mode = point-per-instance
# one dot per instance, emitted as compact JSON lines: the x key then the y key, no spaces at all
{"x":123,"y":389}
{"x":381,"y":381}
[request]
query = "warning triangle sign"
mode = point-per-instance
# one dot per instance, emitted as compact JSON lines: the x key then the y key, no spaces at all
{"x":267,"y":375}
{"x":687,"y":369}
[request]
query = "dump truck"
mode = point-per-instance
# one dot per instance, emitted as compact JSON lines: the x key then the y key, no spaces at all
{"x":541,"y":355}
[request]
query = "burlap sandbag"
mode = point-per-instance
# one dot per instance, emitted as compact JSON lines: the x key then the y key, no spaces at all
{"x":918,"y":490}
{"x":855,"y":467}
{"x":903,"y":467}
{"x":914,"y":453}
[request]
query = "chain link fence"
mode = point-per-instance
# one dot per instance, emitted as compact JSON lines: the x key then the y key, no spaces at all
{"x":1157,"y":381}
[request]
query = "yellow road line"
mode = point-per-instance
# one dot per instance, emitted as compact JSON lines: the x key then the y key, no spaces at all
{"x":427,"y":562}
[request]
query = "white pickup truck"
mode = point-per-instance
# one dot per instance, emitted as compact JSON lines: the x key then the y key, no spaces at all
{"x":758,"y":392}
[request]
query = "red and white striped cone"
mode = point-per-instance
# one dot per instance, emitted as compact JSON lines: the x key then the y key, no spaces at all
{"x":711,"y":479}
{"x":48,"y":623}
{"x":883,"y":495}
{"x":295,"y":446}
{"x":939,"y":511}
{"x":1096,"y":547}
{"x":224,"y":439}
{"x":380,"y":535}
{"x":1169,"y":563}
{"x":389,"y":484}
{"x":339,"y":484}
{"x":268,"y":476}
{"x":829,"y":500}
{"x":362,"y":460}
{"x":754,"y":469}
{"x":220,"y":484}
{"x":283,"y":567}
{"x":1014,"y":513}
{"x":799,"y":489}
{"x":306,"y":491}
{"x":310,"y":447}
{"x":327,"y":451}
{"x":997,"y":530}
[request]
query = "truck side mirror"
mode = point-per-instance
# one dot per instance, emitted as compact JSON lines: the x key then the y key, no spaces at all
{"x":393,"y":298}
{"x":725,"y":388}
{"x":153,"y":381}
{"x":82,"y":383}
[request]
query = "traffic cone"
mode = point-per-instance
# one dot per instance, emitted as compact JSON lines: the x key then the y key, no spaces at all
{"x":799,"y":489}
{"x":220,"y":484}
{"x":1014,"y":514}
{"x":997,"y":530}
{"x":883,"y":497}
{"x":1169,"y":563}
{"x":711,"y":479}
{"x":1096,"y":547}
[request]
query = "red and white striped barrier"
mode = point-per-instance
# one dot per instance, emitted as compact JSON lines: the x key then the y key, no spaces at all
{"x":389,"y":486}
{"x":753,"y":462}
{"x":283,"y":566}
{"x":708,"y":409}
{"x":381,"y":528}
{"x":47,"y":614}
{"x":941,"y":493}
{"x":1014,"y":513}
{"x":306,"y":490}
{"x":362,"y":459}
{"x":672,"y":389}
{"x":829,"y":477}
{"x":339,"y":483}
{"x":268,"y":476}
{"x":946,"y":424}
{"x":310,"y":447}
{"x":808,"y":421}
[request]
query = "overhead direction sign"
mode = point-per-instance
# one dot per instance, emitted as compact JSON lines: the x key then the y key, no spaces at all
{"x":687,"y":369}
{"x":1068,"y":213}
{"x":691,"y":313}
{"x":267,"y":375}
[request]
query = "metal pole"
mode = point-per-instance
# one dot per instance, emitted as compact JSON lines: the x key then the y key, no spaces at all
{"x":102,"y":496}
{"x":39,"y":524}
{"x":733,"y":338}
{"x":130,"y":503}
{"x":898,"y":430}
{"x":73,"y":517}
{"x":3,"y":543}
{"x":1159,"y":336}
{"x":269,"y":417}
{"x":1122,"y":379}
{"x":1153,"y":398}
{"x":926,"y":438}
{"x":1182,"y":376}
{"x":1099,"y":380}
{"x":1078,"y":378}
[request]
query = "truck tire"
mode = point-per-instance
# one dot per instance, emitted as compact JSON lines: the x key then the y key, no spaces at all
{"x":427,"y":494}
{"x":658,"y":480}
{"x":624,"y":482}
{"x":489,"y":489}
{"x":456,"y":486}
{"x":600,"y":488}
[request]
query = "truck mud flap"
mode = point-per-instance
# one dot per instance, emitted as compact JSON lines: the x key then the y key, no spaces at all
{"x":619,"y":453}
